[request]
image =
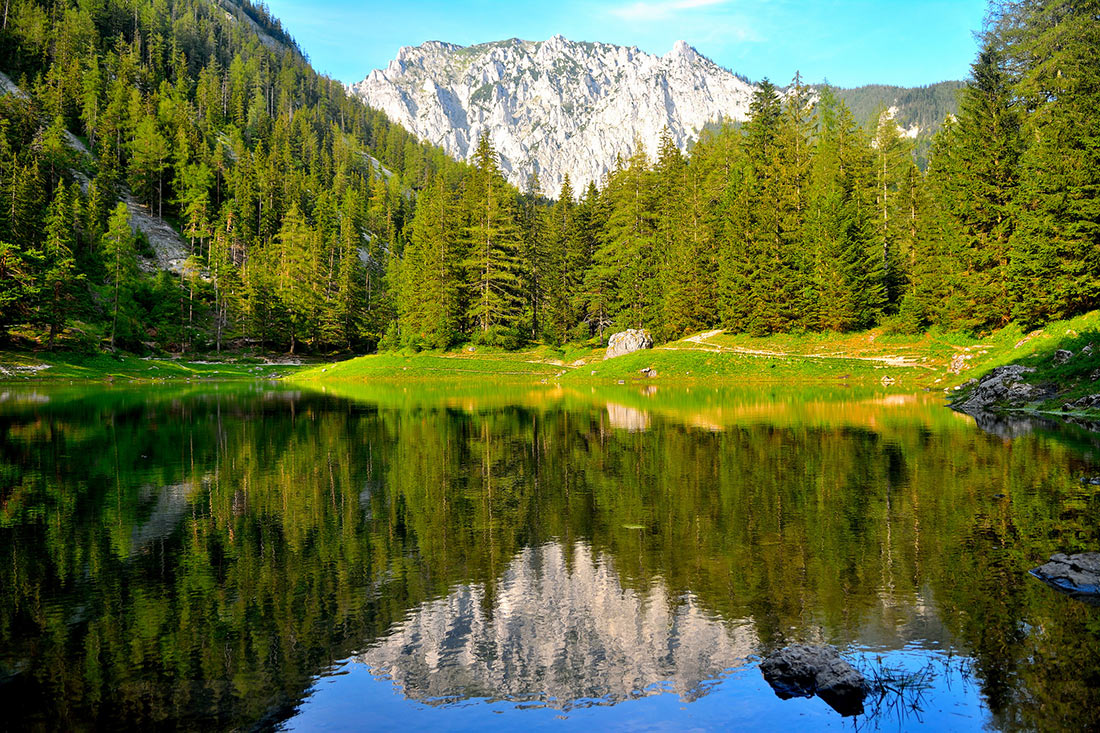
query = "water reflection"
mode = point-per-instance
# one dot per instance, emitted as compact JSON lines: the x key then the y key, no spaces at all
{"x":622,"y":417}
{"x":559,"y":628}
{"x":202,"y":556}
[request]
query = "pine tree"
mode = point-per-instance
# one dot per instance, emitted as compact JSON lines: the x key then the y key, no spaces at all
{"x":59,"y":275}
{"x":349,"y":299}
{"x":560,"y":281}
{"x":495,"y":274}
{"x":18,"y":285}
{"x":757,"y":250}
{"x":296,"y":286}
{"x":428,"y":305}
{"x":894,"y":167}
{"x":627,"y":256}
{"x":586,"y":300}
{"x":972,"y":178}
{"x":120,"y":258}
{"x":839,"y":231}
{"x":535,"y":260}
{"x":678,"y":241}
{"x":789,"y":286}
{"x":1054,"y":267}
{"x":148,"y":161}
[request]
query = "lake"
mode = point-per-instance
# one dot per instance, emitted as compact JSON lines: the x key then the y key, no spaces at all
{"x":463,"y":556}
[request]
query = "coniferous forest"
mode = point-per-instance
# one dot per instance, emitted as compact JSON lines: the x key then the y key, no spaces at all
{"x":313,"y":224}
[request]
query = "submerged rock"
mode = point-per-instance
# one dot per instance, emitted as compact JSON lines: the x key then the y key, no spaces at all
{"x":627,"y":342}
{"x":1078,"y":575}
{"x":804,"y":670}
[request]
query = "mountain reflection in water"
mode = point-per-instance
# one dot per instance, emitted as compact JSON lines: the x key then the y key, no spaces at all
{"x":561,"y":629}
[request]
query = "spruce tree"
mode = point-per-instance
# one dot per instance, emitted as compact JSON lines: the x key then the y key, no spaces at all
{"x":18,"y":285}
{"x":495,"y":303}
{"x":1054,"y":265}
{"x":839,"y":231}
{"x":297,"y":288}
{"x":628,"y":255}
{"x":894,"y":168}
{"x":973,"y":177}
{"x":59,"y":275}
{"x":427,"y":298}
{"x":561,"y":276}
{"x":120,"y":260}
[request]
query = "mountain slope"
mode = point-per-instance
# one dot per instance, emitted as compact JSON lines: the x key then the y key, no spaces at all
{"x":554,"y":107}
{"x":918,"y":111}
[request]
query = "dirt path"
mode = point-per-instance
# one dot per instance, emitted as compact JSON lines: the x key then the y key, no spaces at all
{"x":702,"y":340}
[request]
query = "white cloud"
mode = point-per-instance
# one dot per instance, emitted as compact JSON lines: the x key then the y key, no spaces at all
{"x":661,"y":10}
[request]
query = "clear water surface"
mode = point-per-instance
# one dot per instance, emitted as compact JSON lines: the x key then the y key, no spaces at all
{"x":462,"y":557}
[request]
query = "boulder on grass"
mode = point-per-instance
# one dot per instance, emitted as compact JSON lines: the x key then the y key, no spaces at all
{"x":627,"y":342}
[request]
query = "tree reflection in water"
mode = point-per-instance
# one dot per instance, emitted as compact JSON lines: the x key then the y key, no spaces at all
{"x":196,"y":557}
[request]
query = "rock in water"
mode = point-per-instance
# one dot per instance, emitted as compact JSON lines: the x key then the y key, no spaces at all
{"x":1077,"y":575}
{"x":626,"y":342}
{"x":804,"y":670}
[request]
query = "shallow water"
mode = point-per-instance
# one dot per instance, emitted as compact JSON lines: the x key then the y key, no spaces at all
{"x":462,"y":556}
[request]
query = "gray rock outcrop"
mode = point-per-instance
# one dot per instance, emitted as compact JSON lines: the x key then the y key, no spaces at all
{"x":804,"y":670}
{"x":1078,"y":575}
{"x":1003,"y":386}
{"x":1061,"y":356}
{"x":1088,"y":402}
{"x":627,"y":342}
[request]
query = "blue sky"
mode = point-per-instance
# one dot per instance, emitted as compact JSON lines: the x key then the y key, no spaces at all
{"x":848,"y":42}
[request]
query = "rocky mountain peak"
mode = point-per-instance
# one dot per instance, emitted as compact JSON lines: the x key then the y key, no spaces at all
{"x":554,"y":107}
{"x":682,"y":49}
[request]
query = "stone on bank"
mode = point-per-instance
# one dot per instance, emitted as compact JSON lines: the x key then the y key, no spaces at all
{"x":627,"y":342}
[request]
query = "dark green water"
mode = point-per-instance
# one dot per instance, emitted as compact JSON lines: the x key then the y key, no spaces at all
{"x":458,"y":557}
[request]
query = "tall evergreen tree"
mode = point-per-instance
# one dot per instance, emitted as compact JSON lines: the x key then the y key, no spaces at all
{"x":120,"y":259}
{"x":1055,"y":265}
{"x":894,"y":171}
{"x":840,"y":235}
{"x":972,"y":179}
{"x":59,"y":275}
{"x":428,"y":295}
{"x":495,"y":303}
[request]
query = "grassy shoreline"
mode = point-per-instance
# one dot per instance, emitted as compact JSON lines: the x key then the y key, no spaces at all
{"x":870,"y":357}
{"x":931,"y":361}
{"x":25,"y":366}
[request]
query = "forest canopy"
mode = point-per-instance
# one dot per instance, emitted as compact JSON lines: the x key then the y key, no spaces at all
{"x":308,"y":221}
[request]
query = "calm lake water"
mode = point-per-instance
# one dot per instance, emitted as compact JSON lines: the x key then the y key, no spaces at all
{"x":459,"y":557}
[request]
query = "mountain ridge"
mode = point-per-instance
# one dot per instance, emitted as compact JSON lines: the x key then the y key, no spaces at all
{"x":553,"y":107}
{"x":559,"y":107}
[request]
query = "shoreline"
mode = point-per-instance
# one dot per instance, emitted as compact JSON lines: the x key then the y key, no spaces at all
{"x":930,"y":361}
